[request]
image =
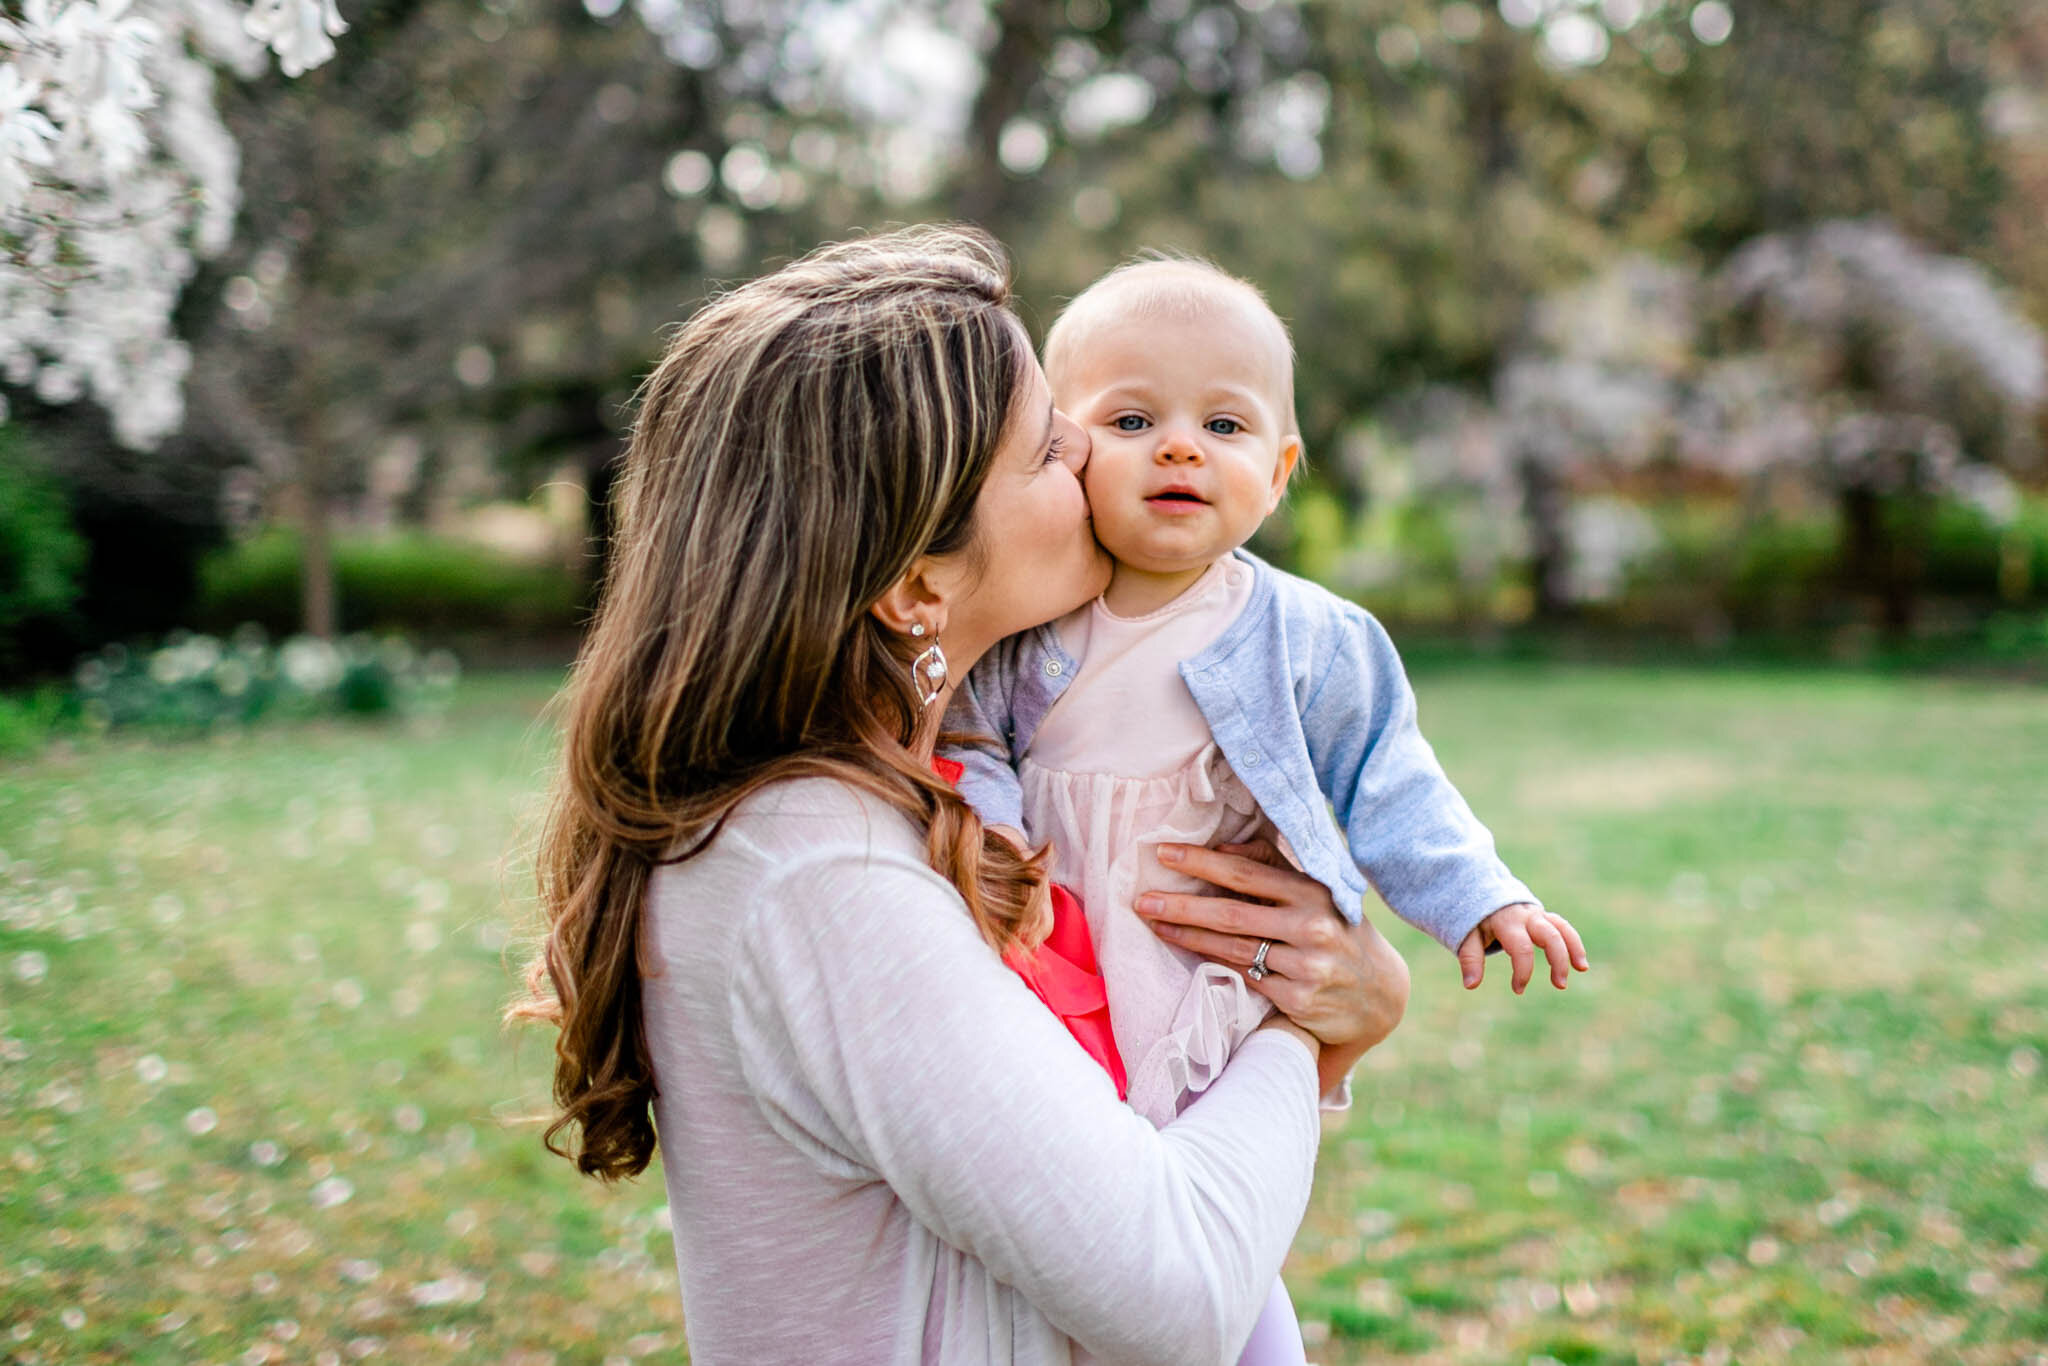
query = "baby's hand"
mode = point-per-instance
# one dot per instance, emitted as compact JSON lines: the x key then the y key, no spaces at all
{"x":1520,"y":930}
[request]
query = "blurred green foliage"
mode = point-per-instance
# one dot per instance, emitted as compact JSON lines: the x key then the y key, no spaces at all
{"x":41,"y":553}
{"x":406,"y":581}
{"x":1714,"y":560}
{"x":1968,"y":554}
{"x":1789,"y":568}
{"x":28,"y":719}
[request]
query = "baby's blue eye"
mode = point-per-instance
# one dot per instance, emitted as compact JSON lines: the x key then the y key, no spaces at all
{"x":1225,"y":426}
{"x":1129,"y":422}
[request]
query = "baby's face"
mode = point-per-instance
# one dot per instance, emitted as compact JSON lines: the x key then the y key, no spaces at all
{"x":1191,"y":439}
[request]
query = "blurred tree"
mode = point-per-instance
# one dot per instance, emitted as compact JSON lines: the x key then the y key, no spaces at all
{"x":472,"y":226}
{"x":1915,"y":376}
{"x":1401,"y":175}
{"x":1845,"y":360}
{"x":1822,"y":109}
{"x":115,"y":177}
{"x":1405,"y":176}
{"x":1591,"y":395}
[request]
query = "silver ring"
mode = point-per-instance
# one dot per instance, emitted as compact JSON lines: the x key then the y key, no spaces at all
{"x":1258,"y":970}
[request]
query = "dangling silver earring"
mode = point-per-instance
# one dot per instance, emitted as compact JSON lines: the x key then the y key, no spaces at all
{"x":928,"y":670}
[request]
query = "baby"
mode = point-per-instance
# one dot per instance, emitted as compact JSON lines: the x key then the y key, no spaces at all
{"x":1208,"y":698}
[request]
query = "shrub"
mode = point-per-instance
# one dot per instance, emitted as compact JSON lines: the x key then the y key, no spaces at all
{"x":1970,"y":555}
{"x":2017,"y":637}
{"x":1784,"y":571}
{"x":406,"y":582}
{"x":28,"y":719}
{"x":194,"y":683}
{"x":41,"y":553}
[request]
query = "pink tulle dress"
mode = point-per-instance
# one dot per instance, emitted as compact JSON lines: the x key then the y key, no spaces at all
{"x":1123,"y":763}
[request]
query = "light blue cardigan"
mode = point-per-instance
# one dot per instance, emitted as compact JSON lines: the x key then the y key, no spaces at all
{"x":1307,"y":700}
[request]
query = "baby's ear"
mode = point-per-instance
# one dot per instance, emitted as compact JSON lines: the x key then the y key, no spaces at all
{"x":1283,"y":468}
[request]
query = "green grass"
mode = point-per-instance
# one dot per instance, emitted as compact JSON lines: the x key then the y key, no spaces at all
{"x":1796,"y":1112}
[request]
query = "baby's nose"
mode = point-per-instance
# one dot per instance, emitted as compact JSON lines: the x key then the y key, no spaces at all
{"x":1178,"y":445}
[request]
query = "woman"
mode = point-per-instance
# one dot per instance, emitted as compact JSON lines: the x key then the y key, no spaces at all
{"x":775,"y":927}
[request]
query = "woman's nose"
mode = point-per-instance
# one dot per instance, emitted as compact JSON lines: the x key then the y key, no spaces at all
{"x":1075,"y":445}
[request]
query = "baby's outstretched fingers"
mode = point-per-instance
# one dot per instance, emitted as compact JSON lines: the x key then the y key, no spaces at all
{"x":1572,"y":941}
{"x":1547,"y":937}
{"x":1513,"y":935}
{"x":1472,"y":959}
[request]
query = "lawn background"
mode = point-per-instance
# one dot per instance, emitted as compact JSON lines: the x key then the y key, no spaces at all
{"x":255,"y":1105}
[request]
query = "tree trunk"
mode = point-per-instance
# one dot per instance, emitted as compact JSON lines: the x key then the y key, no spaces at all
{"x":1024,"y":30}
{"x":1878,"y":563}
{"x":1543,"y":503}
{"x":318,"y":595}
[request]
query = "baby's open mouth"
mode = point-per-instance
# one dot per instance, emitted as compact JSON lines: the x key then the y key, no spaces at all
{"x":1176,"y":496}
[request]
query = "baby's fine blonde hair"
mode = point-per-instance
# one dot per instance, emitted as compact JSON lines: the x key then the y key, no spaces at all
{"x":1169,"y":287}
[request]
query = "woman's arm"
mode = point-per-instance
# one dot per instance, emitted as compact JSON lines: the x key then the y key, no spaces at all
{"x":876,"y":1024}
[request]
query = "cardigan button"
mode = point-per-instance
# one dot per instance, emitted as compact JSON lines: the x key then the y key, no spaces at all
{"x":1053,"y":668}
{"x":1251,"y":758}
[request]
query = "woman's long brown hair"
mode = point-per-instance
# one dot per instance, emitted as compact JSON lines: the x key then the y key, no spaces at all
{"x":802,"y":441}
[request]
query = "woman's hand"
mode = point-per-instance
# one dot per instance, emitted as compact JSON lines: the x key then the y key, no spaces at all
{"x":1343,"y":983}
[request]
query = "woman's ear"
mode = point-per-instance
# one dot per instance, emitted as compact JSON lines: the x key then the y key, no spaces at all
{"x":917,"y":599}
{"x":1283,"y":468}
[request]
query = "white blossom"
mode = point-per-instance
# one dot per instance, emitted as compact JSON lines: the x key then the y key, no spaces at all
{"x":116,"y":177}
{"x":1605,"y":538}
{"x":301,"y":32}
{"x":1745,"y":416}
{"x":1564,"y":409}
{"x":27,"y":137}
{"x":102,"y":52}
{"x":1943,"y":335}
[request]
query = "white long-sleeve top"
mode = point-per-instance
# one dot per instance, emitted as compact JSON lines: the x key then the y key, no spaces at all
{"x":880,"y":1146}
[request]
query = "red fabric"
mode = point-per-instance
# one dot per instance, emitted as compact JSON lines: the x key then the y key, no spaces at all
{"x":1062,"y":972}
{"x":1064,"y":975}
